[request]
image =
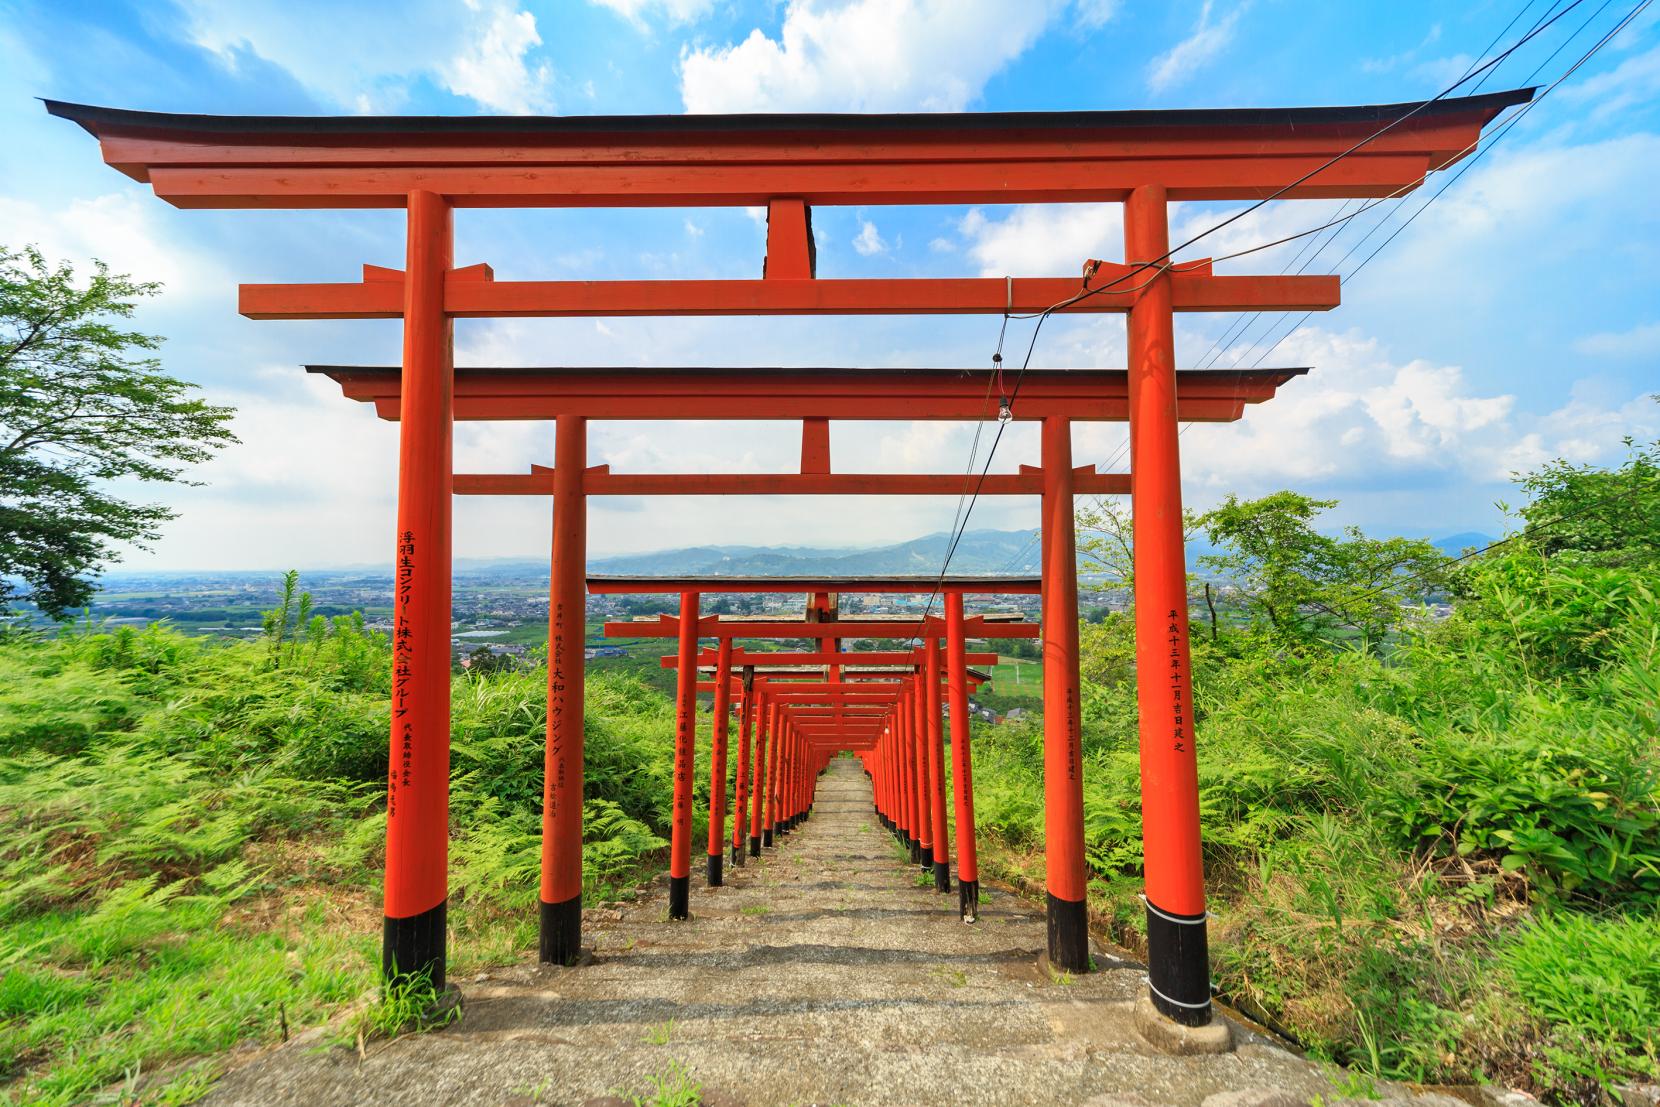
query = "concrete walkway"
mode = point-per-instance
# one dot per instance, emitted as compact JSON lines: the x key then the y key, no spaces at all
{"x":824,"y":974}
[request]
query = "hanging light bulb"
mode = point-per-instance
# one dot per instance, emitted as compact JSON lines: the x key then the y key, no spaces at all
{"x":1004,"y":411}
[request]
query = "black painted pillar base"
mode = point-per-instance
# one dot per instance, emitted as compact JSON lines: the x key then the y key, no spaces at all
{"x":715,"y":861}
{"x":561,"y":941}
{"x":680,"y":897}
{"x":1178,"y":966}
{"x":754,"y":845}
{"x":738,"y":857}
{"x":968,"y":899}
{"x":766,"y":836}
{"x":916,"y":850}
{"x":1068,"y":934}
{"x":942,"y":876}
{"x":414,"y":947}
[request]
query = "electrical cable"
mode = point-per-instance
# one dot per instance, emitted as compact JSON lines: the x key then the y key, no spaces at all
{"x":1164,"y":264}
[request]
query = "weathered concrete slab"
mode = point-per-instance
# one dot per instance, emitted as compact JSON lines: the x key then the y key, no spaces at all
{"x":822,"y":975}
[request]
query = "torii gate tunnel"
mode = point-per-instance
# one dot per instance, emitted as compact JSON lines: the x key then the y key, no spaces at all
{"x":1144,"y":160}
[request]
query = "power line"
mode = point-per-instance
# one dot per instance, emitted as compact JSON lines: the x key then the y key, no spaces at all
{"x":1469,"y":163}
{"x":1163,"y":264}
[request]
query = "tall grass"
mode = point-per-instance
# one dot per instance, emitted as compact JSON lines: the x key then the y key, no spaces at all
{"x":191,"y":836}
{"x":1408,"y":854}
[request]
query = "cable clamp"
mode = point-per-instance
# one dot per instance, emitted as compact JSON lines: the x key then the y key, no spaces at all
{"x":1205,"y":1006}
{"x":1167,"y":917}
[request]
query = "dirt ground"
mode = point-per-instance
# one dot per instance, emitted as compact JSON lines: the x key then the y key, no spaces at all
{"x":824,"y":973}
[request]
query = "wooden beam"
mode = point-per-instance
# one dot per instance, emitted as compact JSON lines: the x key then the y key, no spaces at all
{"x":1191,"y":290}
{"x":539,"y":482}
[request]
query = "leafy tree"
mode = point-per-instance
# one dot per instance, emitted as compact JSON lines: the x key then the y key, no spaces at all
{"x":1106,"y":539}
{"x":1298,"y":582}
{"x":82,"y":402}
{"x":1608,"y":518}
{"x":483,"y":661}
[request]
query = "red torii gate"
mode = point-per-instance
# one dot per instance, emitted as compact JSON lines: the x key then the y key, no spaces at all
{"x":845,"y":705}
{"x":432,"y":165}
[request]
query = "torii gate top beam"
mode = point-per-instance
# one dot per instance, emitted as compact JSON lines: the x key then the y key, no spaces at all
{"x":213,"y":161}
{"x":800,"y":393}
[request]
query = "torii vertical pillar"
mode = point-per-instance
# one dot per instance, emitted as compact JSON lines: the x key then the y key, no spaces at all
{"x":740,"y":788}
{"x":962,"y":760}
{"x":758,"y":783}
{"x":418,"y":781}
{"x":562,"y":783}
{"x":685,"y":747}
{"x":1063,"y":781}
{"x":1178,"y":965}
{"x":717,"y":761}
{"x":935,"y":736}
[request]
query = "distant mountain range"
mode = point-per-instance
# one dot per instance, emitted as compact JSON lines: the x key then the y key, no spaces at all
{"x":1455,"y":544}
{"x":979,"y":552}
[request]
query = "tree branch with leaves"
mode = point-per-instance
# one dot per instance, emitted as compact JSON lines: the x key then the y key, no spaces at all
{"x":83,"y":401}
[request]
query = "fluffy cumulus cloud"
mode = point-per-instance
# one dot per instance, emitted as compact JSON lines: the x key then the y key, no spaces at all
{"x":869,"y":241}
{"x":866,"y":55}
{"x":361,"y":61}
{"x":491,"y":67}
{"x":125,"y":230}
{"x":1043,"y":240}
{"x":310,"y":484}
{"x":1210,"y":37}
{"x":1364,"y":419}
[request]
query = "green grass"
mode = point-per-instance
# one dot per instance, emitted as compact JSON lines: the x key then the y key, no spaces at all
{"x":191,"y":835}
{"x":1437,"y":865}
{"x":673,"y":1088}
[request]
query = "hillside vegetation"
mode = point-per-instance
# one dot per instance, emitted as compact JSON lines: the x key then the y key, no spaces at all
{"x":1433,"y":854}
{"x":1433,"y":846}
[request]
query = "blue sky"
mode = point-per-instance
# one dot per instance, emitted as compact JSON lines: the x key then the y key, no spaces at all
{"x":1515,"y":320}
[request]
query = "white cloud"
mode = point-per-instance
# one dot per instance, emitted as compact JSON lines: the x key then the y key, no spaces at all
{"x":1598,"y":193}
{"x":1642,"y":340}
{"x":1194,"y":52}
{"x":869,"y":240}
{"x":1442,"y":72}
{"x":866,"y":55}
{"x":122,"y":229}
{"x":1389,"y":64}
{"x":1363,"y":420}
{"x":1634,"y":83}
{"x":362,"y":61}
{"x":671,"y":11}
{"x":1092,"y":15}
{"x":1044,"y":240}
{"x":492,"y":69}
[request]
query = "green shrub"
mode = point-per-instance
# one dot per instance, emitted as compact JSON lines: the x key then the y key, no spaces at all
{"x":1594,"y":982}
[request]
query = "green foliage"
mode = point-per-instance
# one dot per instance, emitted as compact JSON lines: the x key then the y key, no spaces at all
{"x":182,"y":823}
{"x":674,"y":1088}
{"x":1603,"y":517}
{"x":407,"y":1002}
{"x":1297,"y":583}
{"x":1595,"y":982}
{"x":82,"y":403}
{"x":1437,"y":862}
